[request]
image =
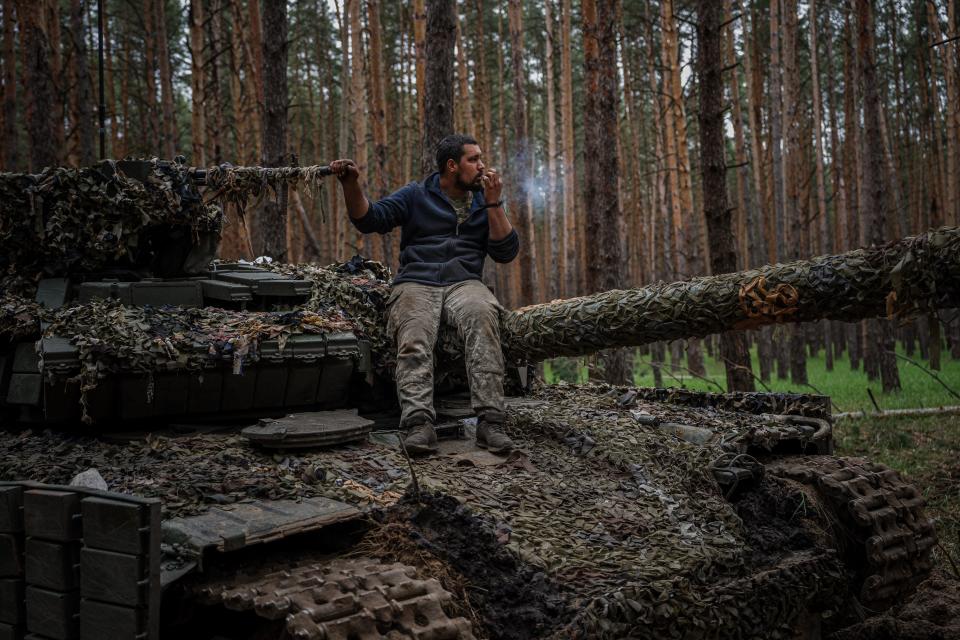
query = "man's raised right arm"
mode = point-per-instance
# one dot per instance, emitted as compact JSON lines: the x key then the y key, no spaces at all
{"x":381,"y":216}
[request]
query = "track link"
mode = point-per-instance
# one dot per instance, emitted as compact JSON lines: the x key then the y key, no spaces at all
{"x":343,"y":599}
{"x":887,"y":537}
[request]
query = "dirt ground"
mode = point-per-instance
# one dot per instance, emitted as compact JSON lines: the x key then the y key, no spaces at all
{"x":932,"y":613}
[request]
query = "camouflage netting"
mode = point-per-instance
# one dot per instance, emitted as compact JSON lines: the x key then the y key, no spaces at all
{"x":67,"y":219}
{"x":237,"y":185}
{"x":111,"y":338}
{"x":787,"y":404}
{"x":359,"y":288}
{"x":627,"y":518}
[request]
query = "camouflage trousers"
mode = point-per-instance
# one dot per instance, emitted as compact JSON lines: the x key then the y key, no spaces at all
{"x":414,"y":314}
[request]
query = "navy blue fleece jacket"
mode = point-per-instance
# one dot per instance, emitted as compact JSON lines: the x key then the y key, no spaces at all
{"x":434,"y":249}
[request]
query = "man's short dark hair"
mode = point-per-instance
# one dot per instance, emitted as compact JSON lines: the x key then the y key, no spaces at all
{"x":451,"y":148}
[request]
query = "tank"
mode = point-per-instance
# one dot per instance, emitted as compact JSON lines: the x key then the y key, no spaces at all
{"x":249,"y":483}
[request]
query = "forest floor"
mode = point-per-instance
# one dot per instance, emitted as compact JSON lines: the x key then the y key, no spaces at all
{"x":846,"y":387}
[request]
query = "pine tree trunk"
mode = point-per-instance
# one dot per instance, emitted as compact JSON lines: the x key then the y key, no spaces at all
{"x":254,"y":49}
{"x":723,"y":257}
{"x":212,"y":92}
{"x":792,"y":227}
{"x":463,"y":102}
{"x":111,"y":90}
{"x":568,"y":165}
{"x":934,"y":341}
{"x":670,"y":68}
{"x":10,"y":158}
{"x":39,"y":87}
{"x":557,"y":258}
{"x":169,"y":125}
{"x":518,"y":195}
{"x":198,"y":125}
{"x":238,"y":104}
{"x":378,"y":120}
{"x":880,"y":340}
{"x":821,"y":212}
{"x":659,"y":217}
{"x":439,"y":44}
{"x":604,"y":217}
{"x":82,"y":91}
{"x":948,"y":54}
{"x":687,"y":235}
{"x":123,"y":148}
{"x":764,"y":238}
{"x":52,"y":27}
{"x":744,"y":211}
{"x":419,"y":39}
{"x":776,"y":130}
{"x":273,"y":217}
{"x":483,"y":107}
{"x":150,"y":78}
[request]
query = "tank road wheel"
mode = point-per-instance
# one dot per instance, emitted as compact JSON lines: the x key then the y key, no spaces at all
{"x":341,"y":599}
{"x":878,"y":519}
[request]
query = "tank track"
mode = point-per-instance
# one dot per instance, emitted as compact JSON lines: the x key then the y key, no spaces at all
{"x":343,"y":599}
{"x":879,"y":517}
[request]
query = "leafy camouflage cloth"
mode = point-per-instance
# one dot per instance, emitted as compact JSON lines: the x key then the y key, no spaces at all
{"x":67,"y":219}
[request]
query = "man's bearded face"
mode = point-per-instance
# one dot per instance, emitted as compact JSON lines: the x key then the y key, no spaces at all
{"x":470,"y":171}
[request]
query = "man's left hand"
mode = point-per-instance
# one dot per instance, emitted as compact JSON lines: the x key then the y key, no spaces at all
{"x":492,"y":186}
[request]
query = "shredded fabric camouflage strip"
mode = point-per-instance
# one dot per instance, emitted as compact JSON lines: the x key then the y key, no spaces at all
{"x":238,"y":185}
{"x":111,"y":338}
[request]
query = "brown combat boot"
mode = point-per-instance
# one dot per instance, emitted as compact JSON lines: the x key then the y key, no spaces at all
{"x":490,"y":436}
{"x":421,"y":439}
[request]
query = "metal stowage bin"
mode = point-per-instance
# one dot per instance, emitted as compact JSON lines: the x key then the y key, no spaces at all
{"x":311,"y":370}
{"x":82,"y":564}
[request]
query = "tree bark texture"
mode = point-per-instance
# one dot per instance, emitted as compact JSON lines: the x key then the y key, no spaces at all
{"x":440,"y":41}
{"x":880,"y":340}
{"x":518,"y":195}
{"x":10,"y":159}
{"x":198,"y":126}
{"x":169,"y":128}
{"x":557,"y":259}
{"x":273,"y":217}
{"x":723,"y":258}
{"x":568,"y":165}
{"x":149,"y":71}
{"x":604,"y":259}
{"x":42,"y":127}
{"x":82,"y":91}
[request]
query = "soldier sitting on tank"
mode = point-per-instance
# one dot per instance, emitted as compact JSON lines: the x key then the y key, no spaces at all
{"x":449,"y":223}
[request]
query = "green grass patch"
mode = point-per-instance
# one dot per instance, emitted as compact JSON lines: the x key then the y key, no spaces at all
{"x":924,"y":450}
{"x":845,"y":386}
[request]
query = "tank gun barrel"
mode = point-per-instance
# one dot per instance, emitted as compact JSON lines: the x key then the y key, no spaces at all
{"x":200,"y":175}
{"x":903,"y":278}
